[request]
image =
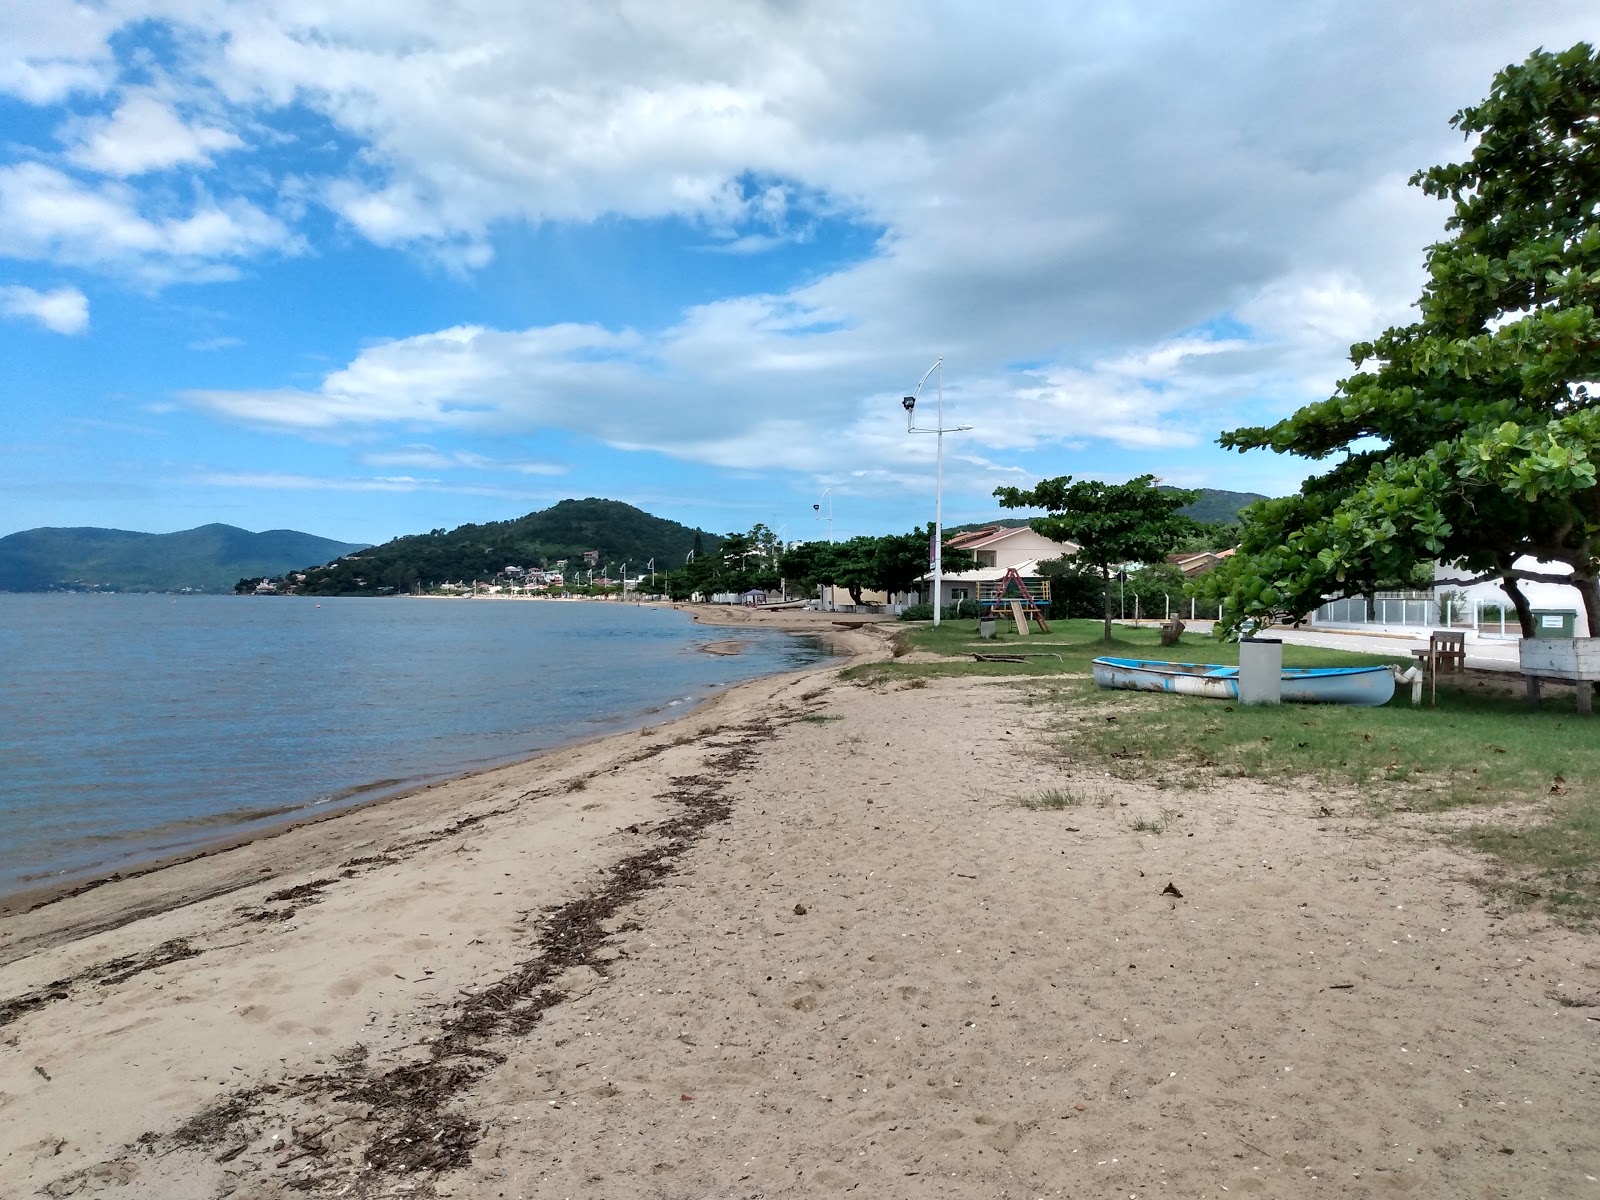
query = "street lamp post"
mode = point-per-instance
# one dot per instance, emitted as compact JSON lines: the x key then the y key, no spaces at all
{"x":909,"y":403}
{"x":827,"y":494}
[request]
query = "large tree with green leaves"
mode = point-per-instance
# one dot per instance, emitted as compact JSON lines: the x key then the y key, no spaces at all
{"x":1470,"y":436}
{"x":888,"y":564}
{"x":1112,"y":523}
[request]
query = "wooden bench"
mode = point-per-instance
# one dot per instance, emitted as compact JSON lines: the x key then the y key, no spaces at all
{"x":1446,"y":652}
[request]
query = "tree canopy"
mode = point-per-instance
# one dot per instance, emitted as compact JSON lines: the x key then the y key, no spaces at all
{"x":1112,"y":523}
{"x":1471,"y":435}
{"x":889,"y":564}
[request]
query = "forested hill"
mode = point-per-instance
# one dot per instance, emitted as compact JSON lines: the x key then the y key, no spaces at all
{"x":1213,"y":506}
{"x":207,"y":559}
{"x":618,"y":532}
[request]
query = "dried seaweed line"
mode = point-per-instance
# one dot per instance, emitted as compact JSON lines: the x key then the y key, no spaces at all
{"x":411,"y":1127}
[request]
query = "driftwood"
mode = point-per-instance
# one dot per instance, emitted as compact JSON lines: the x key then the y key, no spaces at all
{"x":1018,"y":658}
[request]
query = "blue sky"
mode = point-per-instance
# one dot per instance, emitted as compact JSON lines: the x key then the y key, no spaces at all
{"x":364,"y":269}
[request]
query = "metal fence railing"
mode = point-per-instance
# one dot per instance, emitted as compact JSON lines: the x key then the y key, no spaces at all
{"x":1421,"y":612}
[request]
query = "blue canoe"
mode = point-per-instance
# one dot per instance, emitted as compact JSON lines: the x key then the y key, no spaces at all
{"x":1368,"y":686}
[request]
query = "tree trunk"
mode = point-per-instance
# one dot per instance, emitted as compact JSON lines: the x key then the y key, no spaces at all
{"x":1509,"y":585}
{"x":1105,"y":576}
{"x":1589,"y":589}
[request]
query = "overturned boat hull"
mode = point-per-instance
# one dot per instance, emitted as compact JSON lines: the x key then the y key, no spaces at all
{"x":1365,"y":686}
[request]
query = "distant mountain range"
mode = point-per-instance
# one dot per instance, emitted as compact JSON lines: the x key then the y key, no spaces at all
{"x":611,"y":531}
{"x":1213,"y":506}
{"x":208,"y":559}
{"x":214,"y":558}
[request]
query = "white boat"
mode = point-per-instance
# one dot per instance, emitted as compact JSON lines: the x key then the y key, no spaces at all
{"x":1366,"y":686}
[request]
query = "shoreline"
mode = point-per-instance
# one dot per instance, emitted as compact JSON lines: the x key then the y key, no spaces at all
{"x":25,"y":901}
{"x":753,"y":952}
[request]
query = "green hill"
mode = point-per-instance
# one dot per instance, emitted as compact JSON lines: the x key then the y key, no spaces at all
{"x":617,"y":532}
{"x":1213,"y":506}
{"x":207,"y":559}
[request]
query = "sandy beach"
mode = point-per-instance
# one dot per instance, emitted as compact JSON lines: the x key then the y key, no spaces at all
{"x":800,"y":942}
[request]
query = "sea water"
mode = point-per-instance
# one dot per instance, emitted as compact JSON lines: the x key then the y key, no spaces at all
{"x":137,"y":726}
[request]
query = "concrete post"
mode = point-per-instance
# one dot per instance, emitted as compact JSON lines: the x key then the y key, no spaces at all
{"x":1260,"y":671}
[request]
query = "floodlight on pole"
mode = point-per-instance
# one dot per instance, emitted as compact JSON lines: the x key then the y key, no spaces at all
{"x":827,"y":494}
{"x":939,"y":429}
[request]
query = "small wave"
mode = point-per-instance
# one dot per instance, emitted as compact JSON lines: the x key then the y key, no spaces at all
{"x":350,"y":793}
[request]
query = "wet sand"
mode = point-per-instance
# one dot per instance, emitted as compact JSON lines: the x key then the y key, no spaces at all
{"x":800,"y":941}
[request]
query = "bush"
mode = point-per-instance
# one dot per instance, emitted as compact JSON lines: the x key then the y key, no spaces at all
{"x":967,"y":609}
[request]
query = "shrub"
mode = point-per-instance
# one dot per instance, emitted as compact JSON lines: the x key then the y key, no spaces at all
{"x":967,"y":609}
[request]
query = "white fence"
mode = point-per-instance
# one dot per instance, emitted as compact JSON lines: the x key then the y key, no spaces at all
{"x":1422,"y":612}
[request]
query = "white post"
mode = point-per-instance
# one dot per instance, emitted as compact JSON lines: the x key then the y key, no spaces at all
{"x":938,"y":506}
{"x":938,"y":430}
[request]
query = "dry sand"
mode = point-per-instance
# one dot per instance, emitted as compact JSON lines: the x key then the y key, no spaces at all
{"x":803,"y":942}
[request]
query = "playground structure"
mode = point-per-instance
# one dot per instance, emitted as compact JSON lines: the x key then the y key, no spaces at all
{"x":1011,"y":593}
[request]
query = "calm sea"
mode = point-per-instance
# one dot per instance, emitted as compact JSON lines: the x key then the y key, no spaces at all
{"x":137,"y":726}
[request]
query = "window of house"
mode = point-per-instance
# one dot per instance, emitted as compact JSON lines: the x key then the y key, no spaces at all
{"x":959,"y":594}
{"x":986,"y":558}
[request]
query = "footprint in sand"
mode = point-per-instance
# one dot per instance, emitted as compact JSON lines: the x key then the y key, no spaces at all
{"x":343,"y":989}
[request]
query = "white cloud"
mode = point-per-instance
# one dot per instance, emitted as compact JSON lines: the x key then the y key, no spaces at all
{"x":145,"y":134}
{"x":54,"y":48}
{"x":1125,"y":226}
{"x":64,"y":310}
{"x":287,"y":481}
{"x":427,"y":458}
{"x":46,"y":214}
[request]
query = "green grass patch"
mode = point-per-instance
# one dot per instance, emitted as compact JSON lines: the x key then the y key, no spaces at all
{"x":818,"y":718}
{"x":1069,"y":648}
{"x":1540,"y":769}
{"x":1472,"y":748}
{"x":1160,"y":823}
{"x":1553,"y":863}
{"x":1053,"y":799}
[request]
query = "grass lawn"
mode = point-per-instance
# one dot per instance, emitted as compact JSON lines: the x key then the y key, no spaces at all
{"x":1478,"y":747}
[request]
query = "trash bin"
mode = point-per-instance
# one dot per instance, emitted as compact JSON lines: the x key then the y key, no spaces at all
{"x":1260,"y":671}
{"x":1554,"y":622}
{"x":986,"y":624}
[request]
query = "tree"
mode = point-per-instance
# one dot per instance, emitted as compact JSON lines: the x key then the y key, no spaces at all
{"x":1112,"y":523}
{"x":1470,"y":436}
{"x":900,"y":559}
{"x":807,"y":565}
{"x":888,"y":564}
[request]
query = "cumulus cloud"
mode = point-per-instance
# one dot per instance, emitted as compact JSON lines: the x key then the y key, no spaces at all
{"x":46,"y":214}
{"x":145,"y":134}
{"x":1122,"y":224}
{"x":64,"y":310}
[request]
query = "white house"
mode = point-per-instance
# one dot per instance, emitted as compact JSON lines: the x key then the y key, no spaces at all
{"x":1483,"y":608}
{"x":998,"y":549}
{"x":1471,"y":600}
